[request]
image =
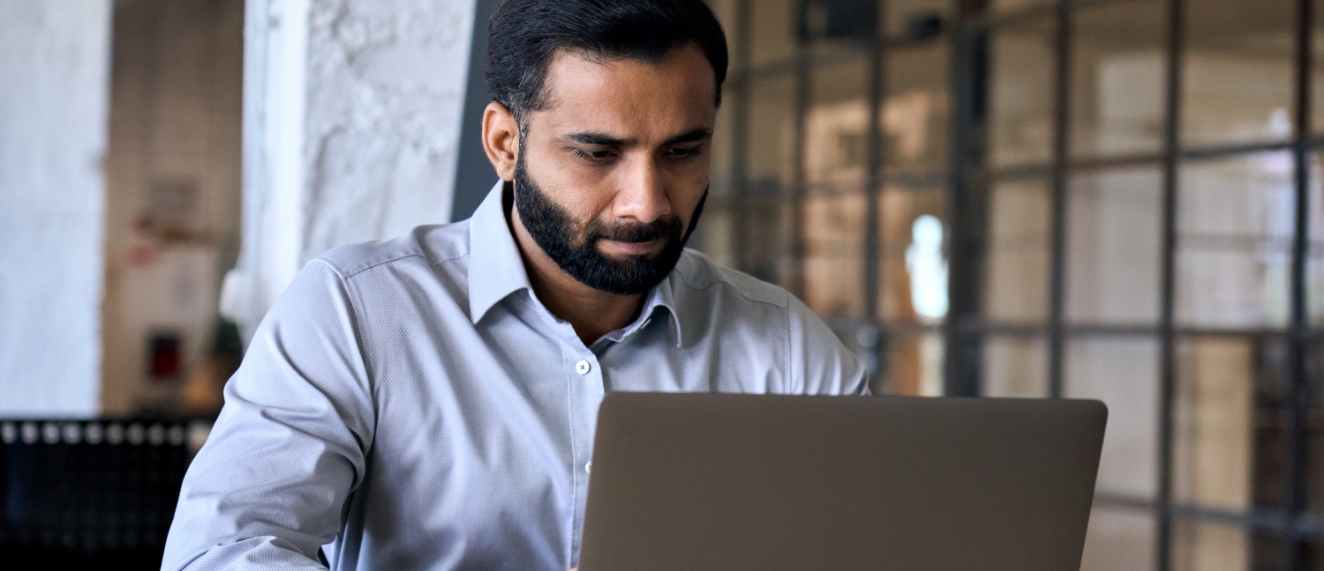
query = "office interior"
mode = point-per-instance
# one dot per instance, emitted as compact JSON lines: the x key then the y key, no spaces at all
{"x":1108,"y":199}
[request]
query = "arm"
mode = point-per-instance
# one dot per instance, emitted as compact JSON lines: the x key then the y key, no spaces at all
{"x":268,"y":488}
{"x":817,"y":357}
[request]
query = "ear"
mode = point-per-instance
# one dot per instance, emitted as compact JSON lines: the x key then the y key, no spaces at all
{"x":501,"y":139}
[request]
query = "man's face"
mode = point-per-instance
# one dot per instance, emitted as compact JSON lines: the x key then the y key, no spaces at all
{"x":612,"y":174}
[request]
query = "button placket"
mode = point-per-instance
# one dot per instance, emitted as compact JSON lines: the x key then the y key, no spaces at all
{"x":586,"y":389}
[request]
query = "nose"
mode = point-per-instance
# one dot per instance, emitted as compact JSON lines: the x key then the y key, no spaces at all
{"x":642,"y":193}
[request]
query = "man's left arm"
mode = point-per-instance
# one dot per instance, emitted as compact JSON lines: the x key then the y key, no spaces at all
{"x":819,"y":363}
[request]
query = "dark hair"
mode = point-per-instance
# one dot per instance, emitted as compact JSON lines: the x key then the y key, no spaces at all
{"x":524,"y":34}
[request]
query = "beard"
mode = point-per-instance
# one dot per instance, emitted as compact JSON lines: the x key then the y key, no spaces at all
{"x":575,"y":251}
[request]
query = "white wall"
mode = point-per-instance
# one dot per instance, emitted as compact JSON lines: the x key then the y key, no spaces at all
{"x":352,"y":113}
{"x":386,"y":82}
{"x":55,"y":64}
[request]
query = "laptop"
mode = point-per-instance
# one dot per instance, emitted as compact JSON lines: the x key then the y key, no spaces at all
{"x":712,"y":482}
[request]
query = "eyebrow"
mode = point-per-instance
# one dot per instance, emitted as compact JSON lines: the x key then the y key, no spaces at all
{"x":605,"y":140}
{"x":691,"y":136}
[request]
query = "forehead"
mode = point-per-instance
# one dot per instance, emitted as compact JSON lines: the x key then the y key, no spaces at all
{"x":629,"y":97}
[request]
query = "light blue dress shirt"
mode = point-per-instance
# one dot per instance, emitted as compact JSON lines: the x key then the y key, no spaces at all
{"x":412,"y":404}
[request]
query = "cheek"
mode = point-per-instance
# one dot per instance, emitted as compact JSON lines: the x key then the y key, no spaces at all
{"x":586,"y":192}
{"x":689,"y":182}
{"x":577,"y":189}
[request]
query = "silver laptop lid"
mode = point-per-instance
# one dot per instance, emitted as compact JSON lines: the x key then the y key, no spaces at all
{"x":706,"y":482}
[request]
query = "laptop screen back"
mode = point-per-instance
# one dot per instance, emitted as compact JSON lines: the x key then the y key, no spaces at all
{"x":705,"y":482}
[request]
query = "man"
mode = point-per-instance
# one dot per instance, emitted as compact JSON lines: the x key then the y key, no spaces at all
{"x":429,"y":402}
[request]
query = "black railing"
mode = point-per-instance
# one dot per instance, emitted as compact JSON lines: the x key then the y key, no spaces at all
{"x":82,"y":492}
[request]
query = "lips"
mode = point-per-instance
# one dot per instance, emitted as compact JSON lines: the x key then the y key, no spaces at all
{"x":630,"y":248}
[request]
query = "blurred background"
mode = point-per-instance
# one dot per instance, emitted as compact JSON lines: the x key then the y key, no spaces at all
{"x":1112,"y":199}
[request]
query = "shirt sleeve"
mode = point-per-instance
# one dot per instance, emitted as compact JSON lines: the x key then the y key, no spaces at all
{"x":819,"y":359}
{"x":269,"y":487}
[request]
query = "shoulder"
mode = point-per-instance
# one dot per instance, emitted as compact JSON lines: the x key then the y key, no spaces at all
{"x":430,"y":245}
{"x":716,"y":300}
{"x":700,"y":275}
{"x":427,"y":266}
{"x":722,"y":302}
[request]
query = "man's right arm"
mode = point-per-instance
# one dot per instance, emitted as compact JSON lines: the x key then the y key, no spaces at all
{"x":269,"y":487}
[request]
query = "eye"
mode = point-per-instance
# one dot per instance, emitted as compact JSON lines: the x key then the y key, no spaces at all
{"x":685,"y":152}
{"x":598,"y":156}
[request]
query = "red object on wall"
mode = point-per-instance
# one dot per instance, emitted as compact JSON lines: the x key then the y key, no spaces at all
{"x":165,"y":359}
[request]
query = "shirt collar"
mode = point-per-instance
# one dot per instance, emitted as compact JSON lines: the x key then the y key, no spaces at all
{"x":664,"y":295}
{"x":496,"y":269}
{"x":660,"y":297}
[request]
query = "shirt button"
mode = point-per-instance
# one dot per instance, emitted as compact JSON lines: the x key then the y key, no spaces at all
{"x":582,"y":367}
{"x":588,"y":467}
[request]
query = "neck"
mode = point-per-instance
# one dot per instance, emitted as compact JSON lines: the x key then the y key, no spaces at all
{"x":593,"y":313}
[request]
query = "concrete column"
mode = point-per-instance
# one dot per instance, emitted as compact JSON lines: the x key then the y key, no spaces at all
{"x":352,"y":116}
{"x":55,"y":65}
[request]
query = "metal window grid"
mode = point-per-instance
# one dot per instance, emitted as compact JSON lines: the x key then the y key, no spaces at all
{"x":967,"y":179}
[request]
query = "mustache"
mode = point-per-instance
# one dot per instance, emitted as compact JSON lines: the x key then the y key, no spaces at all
{"x":666,"y":227}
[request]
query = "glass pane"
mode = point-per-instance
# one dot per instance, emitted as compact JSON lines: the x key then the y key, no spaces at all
{"x":836,"y":134}
{"x":1019,"y":252}
{"x":722,"y":171}
{"x":1203,"y":546}
{"x":715,"y":235}
{"x":836,"y":127}
{"x":1268,"y":552}
{"x":832,"y":27}
{"x":1115,"y":246}
{"x":1237,"y":72}
{"x":1119,"y":540}
{"x":1123,"y":373}
{"x":834,"y":253}
{"x":765,"y":242}
{"x":1312,"y":555}
{"x":770,"y":175}
{"x":1315,"y":262}
{"x":1317,"y":89}
{"x":917,"y":111}
{"x":914,"y":257}
{"x":1015,"y":367}
{"x":1315,"y":431}
{"x":771,"y":137}
{"x":914,"y":365}
{"x":726,"y":14}
{"x":911,"y":18}
{"x":1235,"y":224}
{"x":1014,"y":5}
{"x":1213,"y":435}
{"x":1117,"y":77}
{"x":1271,"y":375}
{"x":773,"y":27}
{"x":1021,"y":85}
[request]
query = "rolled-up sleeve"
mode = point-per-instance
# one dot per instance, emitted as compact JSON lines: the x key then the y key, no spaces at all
{"x":269,"y":487}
